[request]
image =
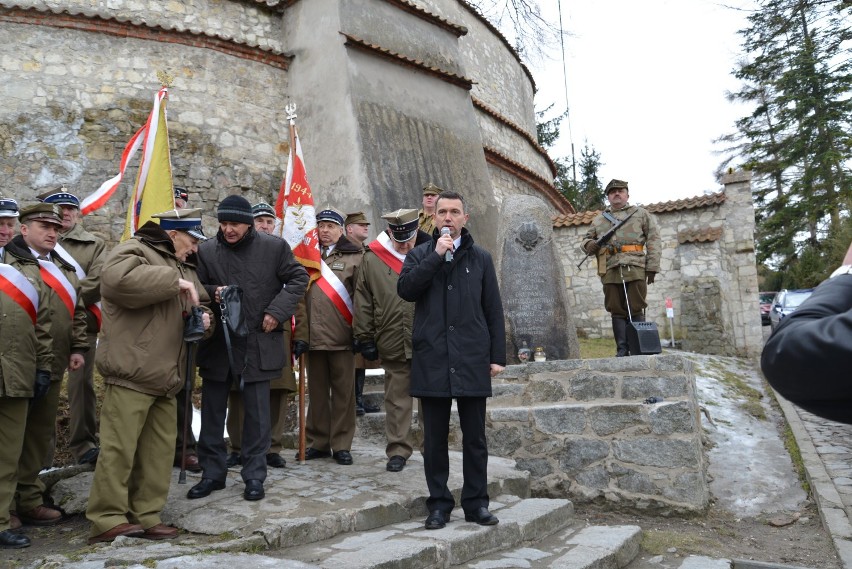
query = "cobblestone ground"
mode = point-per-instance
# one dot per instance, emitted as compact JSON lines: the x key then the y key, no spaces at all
{"x":833,"y":442}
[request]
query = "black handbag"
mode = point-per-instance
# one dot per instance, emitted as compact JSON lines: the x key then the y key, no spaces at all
{"x":230,"y":305}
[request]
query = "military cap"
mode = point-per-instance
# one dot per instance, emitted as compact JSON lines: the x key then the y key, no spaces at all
{"x":330,"y":214}
{"x":46,"y":212}
{"x":181,"y":193}
{"x":357,"y":217}
{"x":261,"y":209}
{"x":402,"y":224}
{"x":8,"y":207}
{"x":614,"y":185}
{"x":59,"y":196}
{"x":431,"y":189}
{"x":186,"y":220}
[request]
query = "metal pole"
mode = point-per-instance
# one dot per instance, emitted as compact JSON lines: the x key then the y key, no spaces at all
{"x":302,"y":409}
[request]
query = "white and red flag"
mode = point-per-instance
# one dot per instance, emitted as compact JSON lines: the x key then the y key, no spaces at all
{"x":295,"y":206}
{"x":153,"y":192}
{"x":18,"y":288}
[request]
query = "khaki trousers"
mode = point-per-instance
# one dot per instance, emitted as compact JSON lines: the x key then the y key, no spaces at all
{"x":82,"y":404}
{"x":13,"y":419}
{"x":134,"y":468}
{"x":330,"y":425}
{"x":398,"y":405}
{"x":38,"y":440}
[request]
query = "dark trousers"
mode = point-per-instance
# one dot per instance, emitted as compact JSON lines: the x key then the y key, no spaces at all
{"x":191,"y":443}
{"x":212,"y":451}
{"x":436,"y":460}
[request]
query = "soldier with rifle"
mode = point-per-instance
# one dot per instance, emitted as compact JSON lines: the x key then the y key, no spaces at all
{"x":626,"y":241}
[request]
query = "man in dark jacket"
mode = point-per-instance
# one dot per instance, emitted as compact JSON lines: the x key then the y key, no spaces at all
{"x":459,"y":343}
{"x":810,"y":352}
{"x":272,"y":282}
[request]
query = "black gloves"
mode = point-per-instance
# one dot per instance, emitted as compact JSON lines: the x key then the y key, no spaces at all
{"x":299,"y":347}
{"x":592,"y":248}
{"x":649,"y":276}
{"x":42,"y":383}
{"x":369,"y":351}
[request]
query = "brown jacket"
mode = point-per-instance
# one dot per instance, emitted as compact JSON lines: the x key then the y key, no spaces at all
{"x":323,"y":327}
{"x":89,"y":252}
{"x":142,"y":345}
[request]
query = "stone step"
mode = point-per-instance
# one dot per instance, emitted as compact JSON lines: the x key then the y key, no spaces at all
{"x":409,"y":545}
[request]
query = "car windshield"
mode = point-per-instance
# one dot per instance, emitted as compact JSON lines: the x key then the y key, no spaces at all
{"x":767,"y":296}
{"x":794,"y":299}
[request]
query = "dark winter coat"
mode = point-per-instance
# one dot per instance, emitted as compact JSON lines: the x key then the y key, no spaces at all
{"x":272,"y":281}
{"x":459,"y":330}
{"x":809,"y":356}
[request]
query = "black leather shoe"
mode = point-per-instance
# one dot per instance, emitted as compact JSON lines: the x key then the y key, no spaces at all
{"x":481,"y":516}
{"x":204,"y":488}
{"x":254,"y":490}
{"x":437,"y":519}
{"x":371,"y":408}
{"x":359,"y":410}
{"x":90,"y":456}
{"x":312,"y":453}
{"x":396,"y":463}
{"x":233,"y":460}
{"x":343,"y":457}
{"x":11,"y":540}
{"x":275,"y":460}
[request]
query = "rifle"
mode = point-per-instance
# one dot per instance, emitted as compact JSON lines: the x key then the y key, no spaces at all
{"x":604,"y":239}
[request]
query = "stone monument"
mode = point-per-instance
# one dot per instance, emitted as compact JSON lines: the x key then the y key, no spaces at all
{"x":531,"y":282}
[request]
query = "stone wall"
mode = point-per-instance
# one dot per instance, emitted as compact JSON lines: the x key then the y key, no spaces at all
{"x":582,"y":430}
{"x":708,"y":270}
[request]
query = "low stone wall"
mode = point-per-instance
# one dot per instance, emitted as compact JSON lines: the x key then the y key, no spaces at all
{"x":582,"y":430}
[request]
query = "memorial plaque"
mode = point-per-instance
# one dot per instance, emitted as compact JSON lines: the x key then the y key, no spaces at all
{"x":532,"y":282}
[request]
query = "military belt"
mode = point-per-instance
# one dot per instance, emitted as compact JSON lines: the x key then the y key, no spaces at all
{"x":626,"y":248}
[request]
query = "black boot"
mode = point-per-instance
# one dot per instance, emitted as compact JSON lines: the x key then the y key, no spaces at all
{"x":360,"y":374}
{"x":619,"y":331}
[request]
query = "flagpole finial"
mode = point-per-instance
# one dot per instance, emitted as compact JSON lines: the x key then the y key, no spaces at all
{"x":165,"y":78}
{"x":290,"y":108}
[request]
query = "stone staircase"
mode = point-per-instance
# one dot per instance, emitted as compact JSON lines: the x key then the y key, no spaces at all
{"x":324,"y":515}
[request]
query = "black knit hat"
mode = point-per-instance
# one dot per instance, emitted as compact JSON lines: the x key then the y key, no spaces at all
{"x":236,"y":209}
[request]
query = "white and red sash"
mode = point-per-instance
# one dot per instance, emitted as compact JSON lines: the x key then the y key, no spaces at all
{"x":383,"y":248}
{"x":95,"y":308}
{"x":335,"y":290}
{"x":56,"y":280}
{"x":18,"y":288}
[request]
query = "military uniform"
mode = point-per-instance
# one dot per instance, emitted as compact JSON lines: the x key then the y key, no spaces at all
{"x":630,"y":259}
{"x":86,"y":252}
{"x":426,"y":223}
{"x":68,"y":331}
{"x":330,"y":424}
{"x":27,"y":346}
{"x":383,"y":322}
{"x":143,"y":362}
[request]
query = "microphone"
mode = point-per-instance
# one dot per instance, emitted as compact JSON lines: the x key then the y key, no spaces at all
{"x":448,"y":256}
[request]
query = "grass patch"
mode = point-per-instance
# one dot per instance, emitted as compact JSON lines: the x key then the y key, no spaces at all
{"x":658,"y":542}
{"x":596,"y":348}
{"x":795,"y":454}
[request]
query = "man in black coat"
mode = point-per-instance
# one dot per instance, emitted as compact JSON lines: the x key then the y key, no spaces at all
{"x":272,"y":282}
{"x":808,"y":357}
{"x":459,"y":344}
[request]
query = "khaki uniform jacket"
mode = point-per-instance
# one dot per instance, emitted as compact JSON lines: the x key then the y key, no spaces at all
{"x":142,"y":346}
{"x":426,"y":223}
{"x":323,"y":327}
{"x":25,"y":347}
{"x":68,"y":333}
{"x":89,"y":252}
{"x":641,"y":229}
{"x":381,"y":316}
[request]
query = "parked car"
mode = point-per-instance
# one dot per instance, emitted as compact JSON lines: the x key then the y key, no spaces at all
{"x":765,"y":305}
{"x":785,"y":303}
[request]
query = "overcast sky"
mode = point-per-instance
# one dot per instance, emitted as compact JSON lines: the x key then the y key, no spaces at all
{"x":646,"y":88}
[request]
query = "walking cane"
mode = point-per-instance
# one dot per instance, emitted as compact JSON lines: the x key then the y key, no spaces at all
{"x":190,"y":377}
{"x":302,"y":409}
